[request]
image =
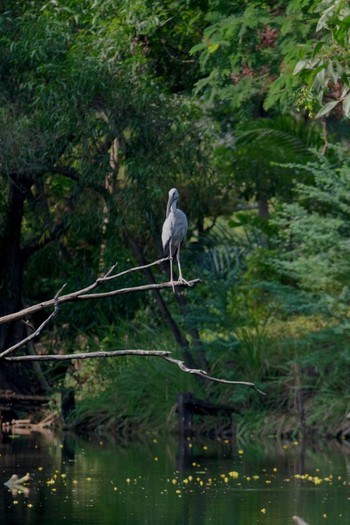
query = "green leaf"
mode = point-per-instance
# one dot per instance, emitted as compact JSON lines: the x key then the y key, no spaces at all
{"x":346,"y":105}
{"x":213,"y":47}
{"x":327,"y":108}
{"x":317,"y":49}
{"x":300,"y":66}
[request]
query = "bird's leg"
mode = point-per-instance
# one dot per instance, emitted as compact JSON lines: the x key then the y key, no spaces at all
{"x":181,"y":279}
{"x":171,"y":267}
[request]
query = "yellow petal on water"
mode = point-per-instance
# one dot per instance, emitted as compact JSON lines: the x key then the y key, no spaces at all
{"x":241,"y":452}
{"x":155,"y":458}
{"x":75,"y":481}
{"x":174,"y":481}
{"x":15,"y":502}
{"x":263,"y":510}
{"x":233,"y":474}
{"x":29,"y":505}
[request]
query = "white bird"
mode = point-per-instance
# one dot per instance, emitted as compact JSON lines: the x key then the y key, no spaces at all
{"x":173,"y":233}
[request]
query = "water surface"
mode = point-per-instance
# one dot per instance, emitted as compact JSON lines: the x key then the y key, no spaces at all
{"x":162,"y":481}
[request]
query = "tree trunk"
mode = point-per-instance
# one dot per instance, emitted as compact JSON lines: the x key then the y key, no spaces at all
{"x":11,"y":281}
{"x":263,"y":207}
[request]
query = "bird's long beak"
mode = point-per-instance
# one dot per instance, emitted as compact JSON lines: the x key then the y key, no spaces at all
{"x":171,"y":199}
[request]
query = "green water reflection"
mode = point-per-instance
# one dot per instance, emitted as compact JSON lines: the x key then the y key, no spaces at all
{"x":159,"y":481}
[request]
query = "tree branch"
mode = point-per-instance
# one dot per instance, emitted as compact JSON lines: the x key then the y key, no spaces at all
{"x":37,"y":331}
{"x":84,"y":295}
{"x":145,"y":353}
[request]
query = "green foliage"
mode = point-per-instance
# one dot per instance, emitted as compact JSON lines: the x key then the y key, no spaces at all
{"x":313,"y":247}
{"x":324,"y":65}
{"x":238,"y":56}
{"x":248,"y":53}
{"x":255,"y":161}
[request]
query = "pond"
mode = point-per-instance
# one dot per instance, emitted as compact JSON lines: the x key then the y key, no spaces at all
{"x":162,"y":481}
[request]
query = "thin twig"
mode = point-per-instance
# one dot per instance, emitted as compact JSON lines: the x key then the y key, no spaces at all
{"x":38,"y":330}
{"x":145,"y":353}
{"x":130,"y":270}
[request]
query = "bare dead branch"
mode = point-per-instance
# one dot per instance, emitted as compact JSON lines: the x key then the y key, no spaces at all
{"x":84,"y":294}
{"x":37,"y":331}
{"x":203,"y":373}
{"x":145,"y":353}
{"x":88,"y":355}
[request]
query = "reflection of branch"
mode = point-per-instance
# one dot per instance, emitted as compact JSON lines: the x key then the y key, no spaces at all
{"x":299,"y":521}
{"x":145,"y":353}
{"x":83,"y":293}
{"x":18,"y":485}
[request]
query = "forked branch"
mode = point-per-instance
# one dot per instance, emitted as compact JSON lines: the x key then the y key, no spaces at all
{"x":85,"y":294}
{"x":37,"y":331}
